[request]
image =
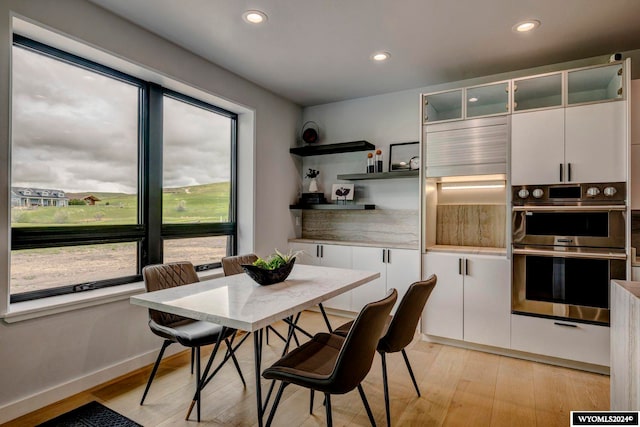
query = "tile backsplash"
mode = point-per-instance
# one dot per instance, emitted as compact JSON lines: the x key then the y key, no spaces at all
{"x":380,"y":225}
{"x":471,"y":225}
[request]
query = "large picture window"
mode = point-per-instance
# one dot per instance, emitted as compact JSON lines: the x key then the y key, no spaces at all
{"x":109,"y":174}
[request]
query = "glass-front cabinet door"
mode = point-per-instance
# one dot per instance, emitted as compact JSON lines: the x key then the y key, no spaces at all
{"x":595,"y":84}
{"x":442,"y":106}
{"x":487,"y":100}
{"x":537,"y":92}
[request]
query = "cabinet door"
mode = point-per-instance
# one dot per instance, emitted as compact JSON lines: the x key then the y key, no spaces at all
{"x":443,"y":314}
{"x":487,"y":301}
{"x":368,"y":259}
{"x":403,"y":268}
{"x":635,"y":176}
{"x":537,"y":147}
{"x":595,"y":141}
{"x":307,"y":253}
{"x":339,"y":257}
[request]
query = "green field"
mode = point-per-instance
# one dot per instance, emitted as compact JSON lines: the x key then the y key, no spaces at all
{"x":182,"y":205}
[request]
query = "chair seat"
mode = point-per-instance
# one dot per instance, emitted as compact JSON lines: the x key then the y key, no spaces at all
{"x":191,"y":333}
{"x":309,"y":365}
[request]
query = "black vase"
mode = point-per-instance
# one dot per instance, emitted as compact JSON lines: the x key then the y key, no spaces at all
{"x":269,"y":277}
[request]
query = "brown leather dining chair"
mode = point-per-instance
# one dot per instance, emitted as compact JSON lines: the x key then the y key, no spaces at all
{"x":188,"y":332}
{"x":400,"y":330}
{"x":333,"y":364}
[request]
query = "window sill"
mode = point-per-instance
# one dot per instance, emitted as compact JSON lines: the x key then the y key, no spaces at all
{"x":27,"y":310}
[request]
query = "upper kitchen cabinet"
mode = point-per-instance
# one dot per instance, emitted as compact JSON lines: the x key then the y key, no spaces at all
{"x":595,"y":84}
{"x":442,"y":106}
{"x":467,"y":147}
{"x":544,"y":91}
{"x":586,"y":141}
{"x":487,"y":100}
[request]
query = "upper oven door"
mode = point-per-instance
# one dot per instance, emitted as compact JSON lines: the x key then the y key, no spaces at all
{"x":595,"y":227}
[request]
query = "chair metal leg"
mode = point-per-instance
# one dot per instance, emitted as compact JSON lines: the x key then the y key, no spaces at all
{"x":366,"y":405}
{"x":311,"y":401}
{"x":275,"y":403}
{"x":406,"y":360}
{"x":193,"y":355}
{"x":267,"y":335}
{"x":165,"y":344}
{"x":327,"y":407}
{"x":385,"y":382}
{"x":198,"y":383}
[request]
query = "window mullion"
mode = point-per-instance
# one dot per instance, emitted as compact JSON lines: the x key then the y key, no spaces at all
{"x":153,"y":175}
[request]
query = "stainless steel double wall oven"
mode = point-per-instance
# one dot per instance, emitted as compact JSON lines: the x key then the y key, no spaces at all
{"x":568,"y":243}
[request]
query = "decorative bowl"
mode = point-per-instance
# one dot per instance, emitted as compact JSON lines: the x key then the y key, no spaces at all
{"x":269,"y":277}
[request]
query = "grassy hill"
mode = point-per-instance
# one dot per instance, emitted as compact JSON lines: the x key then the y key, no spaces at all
{"x":193,"y":204}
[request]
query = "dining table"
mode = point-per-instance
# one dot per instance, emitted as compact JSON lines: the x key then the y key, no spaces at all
{"x":240,"y":303}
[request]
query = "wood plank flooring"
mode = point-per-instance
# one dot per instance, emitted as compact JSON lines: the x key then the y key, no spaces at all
{"x":459,"y":388}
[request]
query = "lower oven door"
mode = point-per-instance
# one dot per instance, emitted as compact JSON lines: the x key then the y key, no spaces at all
{"x":572,"y":286}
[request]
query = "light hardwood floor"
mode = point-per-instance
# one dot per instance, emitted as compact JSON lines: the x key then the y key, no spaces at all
{"x":459,"y":388}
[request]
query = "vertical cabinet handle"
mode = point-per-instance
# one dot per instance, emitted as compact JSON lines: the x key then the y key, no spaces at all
{"x":466,"y":266}
{"x":383,"y":256}
{"x":561,"y":172}
{"x":321,"y":251}
{"x":388,"y":256}
{"x":317,"y":251}
{"x":568,"y":172}
{"x":460,"y":266}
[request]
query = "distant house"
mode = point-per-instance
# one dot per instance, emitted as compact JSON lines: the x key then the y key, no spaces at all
{"x":26,"y":197}
{"x":90,"y":199}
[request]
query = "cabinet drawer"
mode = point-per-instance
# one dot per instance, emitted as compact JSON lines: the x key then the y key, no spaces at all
{"x":580,"y":342}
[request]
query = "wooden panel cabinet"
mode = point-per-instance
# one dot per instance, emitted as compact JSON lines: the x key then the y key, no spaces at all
{"x":471,"y":300}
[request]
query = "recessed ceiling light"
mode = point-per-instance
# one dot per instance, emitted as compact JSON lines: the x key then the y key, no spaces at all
{"x":254,"y":16}
{"x":524,"y":26}
{"x":474,"y":99}
{"x":380,"y":56}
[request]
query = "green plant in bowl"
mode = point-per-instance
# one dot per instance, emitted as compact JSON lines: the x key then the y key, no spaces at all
{"x":275,"y":260}
{"x":274,"y":269}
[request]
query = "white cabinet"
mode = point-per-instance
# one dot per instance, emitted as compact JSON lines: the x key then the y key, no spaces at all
{"x":559,"y":338}
{"x":398,"y":269}
{"x":471,"y":300}
{"x":596,"y":142}
{"x":537,"y":147}
{"x":576,"y":144}
{"x":330,"y":256}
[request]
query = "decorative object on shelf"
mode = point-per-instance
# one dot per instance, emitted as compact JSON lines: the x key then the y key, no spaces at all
{"x":378,"y":161}
{"x":310,"y":132}
{"x":276,"y":268}
{"x":371,"y":168}
{"x":414,"y":163}
{"x":313,"y":184}
{"x":401,"y":156}
{"x":342,"y":193}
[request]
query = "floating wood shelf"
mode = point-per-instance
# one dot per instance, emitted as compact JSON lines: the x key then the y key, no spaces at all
{"x":334,"y":206}
{"x":380,"y":175}
{"x":341,"y":147}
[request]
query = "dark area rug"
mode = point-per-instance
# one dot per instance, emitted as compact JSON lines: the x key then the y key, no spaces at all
{"x":93,"y":414}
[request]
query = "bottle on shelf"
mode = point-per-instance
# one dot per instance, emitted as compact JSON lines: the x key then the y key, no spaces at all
{"x":370,"y":164}
{"x":379,"y":161}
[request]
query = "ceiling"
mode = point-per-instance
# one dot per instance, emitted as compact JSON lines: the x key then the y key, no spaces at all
{"x":318,"y":51}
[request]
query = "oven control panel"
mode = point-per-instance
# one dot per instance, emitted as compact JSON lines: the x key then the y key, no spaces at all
{"x":612,"y":193}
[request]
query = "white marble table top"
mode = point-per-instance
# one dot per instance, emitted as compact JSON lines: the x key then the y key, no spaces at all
{"x":239,"y":302}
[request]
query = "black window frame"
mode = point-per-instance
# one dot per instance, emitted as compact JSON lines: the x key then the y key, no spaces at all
{"x":149,"y":233}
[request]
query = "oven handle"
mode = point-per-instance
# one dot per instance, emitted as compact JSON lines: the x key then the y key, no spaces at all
{"x":569,"y":208}
{"x":562,"y":254}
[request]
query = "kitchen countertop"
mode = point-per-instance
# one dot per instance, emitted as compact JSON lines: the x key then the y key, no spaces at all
{"x":356,"y":243}
{"x":473,"y":250}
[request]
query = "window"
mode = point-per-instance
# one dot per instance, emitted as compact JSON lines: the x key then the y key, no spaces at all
{"x":111,"y":173}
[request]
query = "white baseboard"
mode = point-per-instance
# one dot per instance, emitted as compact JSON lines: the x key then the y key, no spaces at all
{"x":46,"y":397}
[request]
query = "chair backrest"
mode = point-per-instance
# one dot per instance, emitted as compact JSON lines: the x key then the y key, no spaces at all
{"x":402,"y":328}
{"x":163,"y":276}
{"x":232,"y":264}
{"x":359,"y":347}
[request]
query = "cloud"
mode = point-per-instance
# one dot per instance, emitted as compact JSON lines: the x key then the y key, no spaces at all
{"x":77,"y":130}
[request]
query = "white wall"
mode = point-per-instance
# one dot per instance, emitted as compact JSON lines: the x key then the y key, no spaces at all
{"x":47,"y":358}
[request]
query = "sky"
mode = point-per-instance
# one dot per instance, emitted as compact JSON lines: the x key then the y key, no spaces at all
{"x":76,"y":130}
